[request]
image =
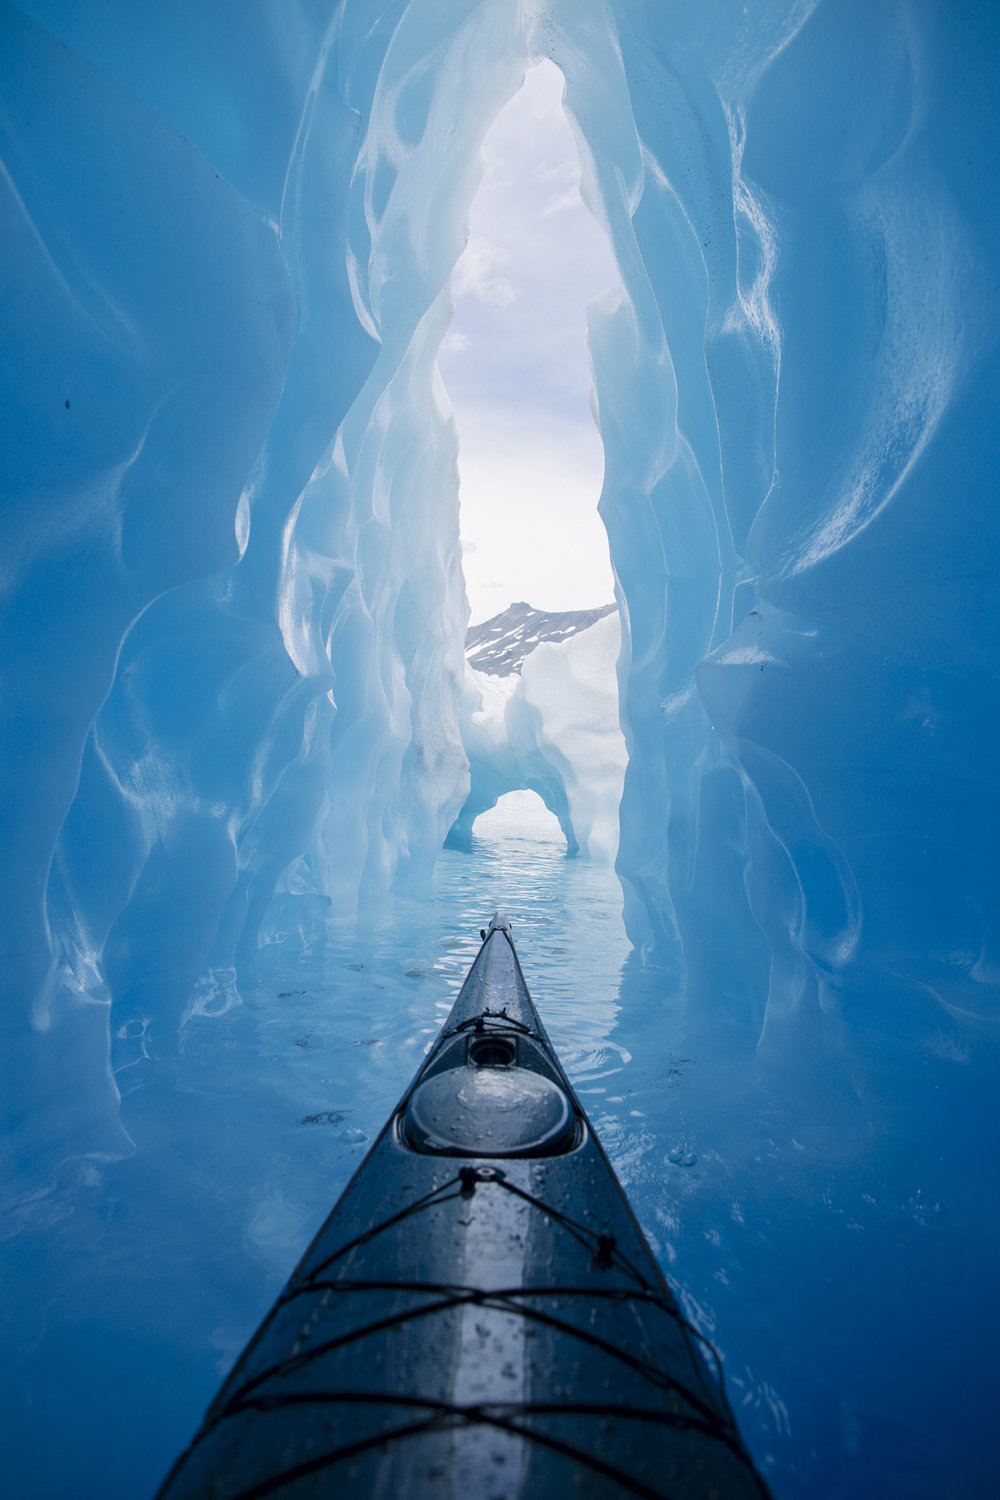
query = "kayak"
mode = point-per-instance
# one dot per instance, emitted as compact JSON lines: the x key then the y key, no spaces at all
{"x":480,"y":1317}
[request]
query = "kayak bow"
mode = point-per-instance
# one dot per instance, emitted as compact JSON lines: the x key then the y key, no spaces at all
{"x":480,"y":1316}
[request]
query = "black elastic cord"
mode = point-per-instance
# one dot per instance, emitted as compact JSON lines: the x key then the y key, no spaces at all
{"x":448,"y":1298}
{"x":436,"y":1195}
{"x":606,"y":1253}
{"x":494,"y":1015}
{"x":601,"y":1246}
{"x":447,"y":1416}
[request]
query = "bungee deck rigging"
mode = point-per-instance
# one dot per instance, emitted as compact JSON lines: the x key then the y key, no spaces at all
{"x":480,"y":1315}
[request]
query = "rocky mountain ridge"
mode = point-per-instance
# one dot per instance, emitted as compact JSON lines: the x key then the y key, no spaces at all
{"x":499,"y":646}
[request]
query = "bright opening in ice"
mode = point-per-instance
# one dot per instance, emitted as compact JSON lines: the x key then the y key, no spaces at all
{"x":520,"y":817}
{"x":226,"y":252}
{"x":515,"y":365}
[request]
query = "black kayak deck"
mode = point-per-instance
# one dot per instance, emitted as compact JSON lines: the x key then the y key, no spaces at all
{"x":480,"y":1316}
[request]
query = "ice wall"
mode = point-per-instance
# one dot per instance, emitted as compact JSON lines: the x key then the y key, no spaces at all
{"x":233,"y":611}
{"x":553,"y":729}
{"x":795,"y":395}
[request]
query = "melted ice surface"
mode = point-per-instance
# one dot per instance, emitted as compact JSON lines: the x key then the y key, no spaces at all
{"x":233,"y":660}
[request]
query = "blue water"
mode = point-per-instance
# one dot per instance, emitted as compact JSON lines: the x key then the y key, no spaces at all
{"x":132,"y":1284}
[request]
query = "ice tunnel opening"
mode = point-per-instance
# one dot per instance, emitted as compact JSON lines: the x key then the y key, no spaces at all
{"x":515,"y":366}
{"x":226,"y":261}
{"x":536,"y":555}
{"x":520,"y":816}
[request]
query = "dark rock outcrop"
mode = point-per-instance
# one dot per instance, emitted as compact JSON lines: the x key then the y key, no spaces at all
{"x":499,"y":646}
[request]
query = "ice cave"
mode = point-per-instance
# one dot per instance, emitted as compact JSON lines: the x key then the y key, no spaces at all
{"x":243,"y":751}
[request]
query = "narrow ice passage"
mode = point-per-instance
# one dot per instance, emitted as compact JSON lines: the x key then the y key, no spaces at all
{"x":540,"y":709}
{"x":234,"y":618}
{"x":514,"y":362}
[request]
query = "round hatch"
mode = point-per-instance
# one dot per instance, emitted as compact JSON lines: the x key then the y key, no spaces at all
{"x":489,"y":1111}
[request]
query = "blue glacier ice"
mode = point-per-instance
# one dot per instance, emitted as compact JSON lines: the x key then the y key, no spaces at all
{"x":233,"y":668}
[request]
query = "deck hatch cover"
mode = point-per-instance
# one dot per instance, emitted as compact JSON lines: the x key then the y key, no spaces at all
{"x":489,"y":1111}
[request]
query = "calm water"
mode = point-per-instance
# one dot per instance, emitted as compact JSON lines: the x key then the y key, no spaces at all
{"x":792,"y":1240}
{"x":566,"y":919}
{"x":132,"y":1284}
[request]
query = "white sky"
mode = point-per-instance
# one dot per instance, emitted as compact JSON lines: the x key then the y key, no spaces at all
{"x":515,"y":365}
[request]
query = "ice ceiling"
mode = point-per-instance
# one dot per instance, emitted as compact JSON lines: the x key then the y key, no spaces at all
{"x":234,"y":611}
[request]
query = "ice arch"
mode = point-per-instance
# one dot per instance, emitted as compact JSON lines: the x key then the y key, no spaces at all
{"x":505,"y":756}
{"x":234,"y":610}
{"x":517,"y":810}
{"x":550,"y":728}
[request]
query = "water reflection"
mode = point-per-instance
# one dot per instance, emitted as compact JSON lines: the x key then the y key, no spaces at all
{"x":566,"y":916}
{"x":247,"y":1131}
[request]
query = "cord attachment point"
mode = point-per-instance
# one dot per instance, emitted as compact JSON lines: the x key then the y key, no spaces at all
{"x":469,"y":1176}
